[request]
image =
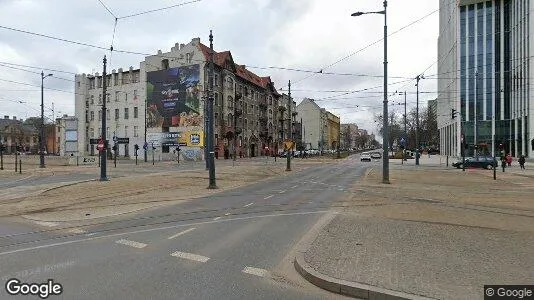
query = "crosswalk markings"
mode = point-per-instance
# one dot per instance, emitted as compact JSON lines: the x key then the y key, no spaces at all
{"x":190,"y":256}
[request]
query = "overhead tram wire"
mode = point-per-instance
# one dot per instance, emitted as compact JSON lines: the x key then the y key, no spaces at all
{"x":158,"y":9}
{"x":369,"y":45}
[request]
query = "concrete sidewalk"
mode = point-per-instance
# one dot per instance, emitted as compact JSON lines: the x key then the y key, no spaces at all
{"x":438,"y":234}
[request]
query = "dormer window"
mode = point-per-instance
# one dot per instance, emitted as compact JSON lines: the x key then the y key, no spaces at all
{"x":165,"y":64}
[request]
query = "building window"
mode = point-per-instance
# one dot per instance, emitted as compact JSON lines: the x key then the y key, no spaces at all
{"x":165,"y":64}
{"x":126,"y":113}
{"x":125,"y":97}
{"x":108,"y":97}
{"x":92,"y":132}
{"x":136,"y":131}
{"x":216,"y":79}
{"x":91,"y":83}
{"x":116,"y":113}
{"x":116,"y":79}
{"x":216,"y":119}
{"x":125,"y":78}
{"x":86,"y":115}
{"x":136,"y":112}
{"x":125,"y":131}
{"x":99,"y":82}
{"x":136,"y":77}
{"x":107,"y":114}
{"x":99,"y":98}
{"x":92,"y":116}
{"x":270,"y":100}
{"x":92,"y":99}
{"x":99,"y":115}
{"x":230,"y":83}
{"x":135,"y":94}
{"x":117,"y":96}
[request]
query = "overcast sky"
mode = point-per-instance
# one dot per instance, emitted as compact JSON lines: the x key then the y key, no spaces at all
{"x":307,"y":35}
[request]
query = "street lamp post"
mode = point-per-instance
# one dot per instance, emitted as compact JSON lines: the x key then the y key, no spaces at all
{"x":419,"y":77}
{"x":385,"y":126}
{"x":211,"y":152}
{"x":41,"y":135}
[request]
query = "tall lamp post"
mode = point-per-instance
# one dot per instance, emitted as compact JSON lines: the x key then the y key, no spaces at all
{"x":385,"y":126}
{"x":419,"y":77}
{"x":41,"y":135}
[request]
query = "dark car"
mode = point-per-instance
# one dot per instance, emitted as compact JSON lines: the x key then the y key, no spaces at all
{"x":485,"y":162}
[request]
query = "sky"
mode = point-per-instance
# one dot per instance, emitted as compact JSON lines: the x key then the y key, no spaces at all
{"x":268,"y":36}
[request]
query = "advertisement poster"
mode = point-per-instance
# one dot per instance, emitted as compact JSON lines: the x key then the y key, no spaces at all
{"x":173,"y":97}
{"x":186,"y":138}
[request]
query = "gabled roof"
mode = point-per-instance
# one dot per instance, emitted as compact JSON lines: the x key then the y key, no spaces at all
{"x":242,"y":72}
{"x":219,"y":57}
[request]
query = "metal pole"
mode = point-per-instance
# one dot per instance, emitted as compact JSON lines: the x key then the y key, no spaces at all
{"x":103,"y":153}
{"x":153,"y":154}
{"x":206,"y":122}
{"x":417,"y":123}
{"x":475,"y":122}
{"x":289,"y":127}
{"x":115,"y":156}
{"x":494,"y":167}
{"x":41,"y":135}
{"x":16,"y":159}
{"x":1,"y":157}
{"x":405,"y":132}
{"x":20,"y":166}
{"x":55,"y":130}
{"x":146,"y":150}
{"x":235,"y":129}
{"x":212,"y":184}
{"x":385,"y":146}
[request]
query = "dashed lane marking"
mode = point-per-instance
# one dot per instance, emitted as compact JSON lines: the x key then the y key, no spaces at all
{"x":281,"y":192}
{"x":180,"y":233}
{"x":248,"y":204}
{"x":268,"y":197}
{"x":77,"y":231}
{"x":190,"y":256}
{"x":217,"y":218}
{"x":227,"y":214}
{"x":256,"y":271}
{"x":47,"y":224}
{"x":294,"y":186}
{"x":131,"y":243}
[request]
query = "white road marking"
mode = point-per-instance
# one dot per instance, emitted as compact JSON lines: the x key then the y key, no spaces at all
{"x":131,"y":243}
{"x":44,"y":223}
{"x":181,"y":233}
{"x":294,"y":186}
{"x":268,"y":197}
{"x":248,"y":204}
{"x":227,"y":214}
{"x":215,"y":219}
{"x":281,"y":192}
{"x":77,"y":230}
{"x":52,"y":245}
{"x":190,"y":256}
{"x":38,"y":270}
{"x":256,"y":271}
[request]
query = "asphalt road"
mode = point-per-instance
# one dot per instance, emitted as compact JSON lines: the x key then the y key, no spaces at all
{"x":233,"y":245}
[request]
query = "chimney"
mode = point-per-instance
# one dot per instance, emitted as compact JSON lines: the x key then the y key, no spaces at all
{"x":182,"y":46}
{"x":195,"y":41}
{"x":14,"y":117}
{"x":6,"y":117}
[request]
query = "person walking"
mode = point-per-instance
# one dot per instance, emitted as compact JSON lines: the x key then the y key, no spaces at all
{"x":509,"y":159}
{"x":522,"y":162}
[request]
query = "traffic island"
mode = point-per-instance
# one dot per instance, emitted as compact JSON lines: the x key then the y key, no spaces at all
{"x":430,"y":234}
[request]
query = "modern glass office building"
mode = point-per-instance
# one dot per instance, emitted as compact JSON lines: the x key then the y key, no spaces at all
{"x":484,"y":76}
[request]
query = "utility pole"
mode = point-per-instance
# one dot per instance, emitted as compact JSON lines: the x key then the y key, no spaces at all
{"x":419,"y":77}
{"x":103,"y":170}
{"x":55,"y":130}
{"x":206,"y":125}
{"x":212,"y":183}
{"x":475,"y":121}
{"x":289,"y":126}
{"x":145,"y":145}
{"x":41,"y":135}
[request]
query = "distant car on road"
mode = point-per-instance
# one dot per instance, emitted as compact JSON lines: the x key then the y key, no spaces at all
{"x":485,"y":162}
{"x":376,"y":155}
{"x":365,"y":157}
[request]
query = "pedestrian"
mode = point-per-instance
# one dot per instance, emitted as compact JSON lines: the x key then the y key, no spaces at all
{"x":522,"y":162}
{"x":509,"y":159}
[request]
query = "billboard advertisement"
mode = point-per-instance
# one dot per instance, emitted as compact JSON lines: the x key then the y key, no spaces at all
{"x":173,"y":97}
{"x":186,"y":138}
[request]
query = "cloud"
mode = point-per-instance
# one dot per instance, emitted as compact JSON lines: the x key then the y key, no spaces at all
{"x":301,"y":34}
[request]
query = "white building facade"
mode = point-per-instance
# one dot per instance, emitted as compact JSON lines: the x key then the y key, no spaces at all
{"x":484,"y":75}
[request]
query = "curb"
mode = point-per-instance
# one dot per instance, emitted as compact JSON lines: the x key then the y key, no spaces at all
{"x":65,"y":185}
{"x":339,"y":286}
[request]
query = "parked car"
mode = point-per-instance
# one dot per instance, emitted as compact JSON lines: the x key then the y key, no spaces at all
{"x":485,"y":162}
{"x":376,"y":155}
{"x":365,"y":157}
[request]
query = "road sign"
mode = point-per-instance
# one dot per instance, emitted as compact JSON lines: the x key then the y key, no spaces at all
{"x":100,"y":147}
{"x":402,"y":141}
{"x":145,"y":146}
{"x":288,"y":144}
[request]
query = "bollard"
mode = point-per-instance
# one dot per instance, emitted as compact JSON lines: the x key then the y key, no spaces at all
{"x":447,"y":160}
{"x":20,"y":166}
{"x":77,"y":161}
{"x":16,"y":162}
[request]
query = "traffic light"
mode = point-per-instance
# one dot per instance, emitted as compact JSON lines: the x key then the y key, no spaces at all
{"x":114,"y":147}
{"x":2,"y":148}
{"x":453,"y":113}
{"x":136,"y":147}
